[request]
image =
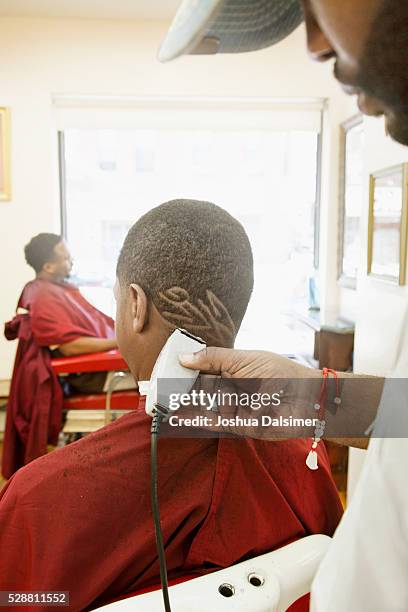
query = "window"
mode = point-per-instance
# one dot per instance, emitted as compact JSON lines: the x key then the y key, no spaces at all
{"x":265,"y":173}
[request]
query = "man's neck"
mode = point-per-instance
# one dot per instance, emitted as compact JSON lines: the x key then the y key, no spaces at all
{"x":49,"y":277}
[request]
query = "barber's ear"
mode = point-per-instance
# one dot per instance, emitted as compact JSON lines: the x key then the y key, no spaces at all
{"x":138,"y":307}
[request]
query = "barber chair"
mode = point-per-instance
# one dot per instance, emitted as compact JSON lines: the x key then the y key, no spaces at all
{"x":274,"y":582}
{"x":89,"y":412}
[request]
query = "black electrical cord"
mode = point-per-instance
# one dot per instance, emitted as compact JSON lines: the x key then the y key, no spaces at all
{"x":157,"y":419}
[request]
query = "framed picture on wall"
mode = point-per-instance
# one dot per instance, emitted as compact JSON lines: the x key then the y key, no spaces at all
{"x":351,"y":194}
{"x":387,"y":224}
{"x":5,"y":153}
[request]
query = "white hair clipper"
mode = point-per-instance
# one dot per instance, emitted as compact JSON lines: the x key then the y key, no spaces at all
{"x":173,"y":376}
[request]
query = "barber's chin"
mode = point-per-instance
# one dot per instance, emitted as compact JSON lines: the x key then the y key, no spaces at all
{"x":397,"y":128}
{"x":369,"y":106}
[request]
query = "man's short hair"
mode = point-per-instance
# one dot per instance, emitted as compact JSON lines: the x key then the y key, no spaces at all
{"x":40,"y":250}
{"x":194,"y":261}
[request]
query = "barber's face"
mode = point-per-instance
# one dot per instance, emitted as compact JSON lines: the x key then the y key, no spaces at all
{"x":368,"y":41}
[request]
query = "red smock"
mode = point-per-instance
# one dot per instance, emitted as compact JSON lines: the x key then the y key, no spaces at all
{"x":56,"y":313}
{"x":79,"y":519}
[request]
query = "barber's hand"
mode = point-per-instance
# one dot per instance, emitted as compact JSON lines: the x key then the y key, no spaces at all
{"x":257,"y":372}
{"x":231,"y":363}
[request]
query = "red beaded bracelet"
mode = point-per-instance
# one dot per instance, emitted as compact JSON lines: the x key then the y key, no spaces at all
{"x":320,"y":407}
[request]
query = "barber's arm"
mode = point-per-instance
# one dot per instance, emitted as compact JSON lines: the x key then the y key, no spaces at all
{"x":346,"y":423}
{"x":87,"y":345}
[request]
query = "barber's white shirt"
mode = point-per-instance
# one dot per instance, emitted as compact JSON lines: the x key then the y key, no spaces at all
{"x":366,"y":567}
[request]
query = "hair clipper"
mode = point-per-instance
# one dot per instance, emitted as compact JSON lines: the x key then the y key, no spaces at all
{"x":173,"y":377}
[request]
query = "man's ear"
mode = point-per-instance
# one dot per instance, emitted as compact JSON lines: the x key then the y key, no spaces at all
{"x":49,"y":267}
{"x":138,"y":300}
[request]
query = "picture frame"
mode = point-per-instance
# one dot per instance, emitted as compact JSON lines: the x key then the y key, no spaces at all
{"x":351,"y":198}
{"x":5,"y":154}
{"x":388,"y":224}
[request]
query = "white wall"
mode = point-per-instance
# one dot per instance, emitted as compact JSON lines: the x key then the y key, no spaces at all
{"x":377,"y":307}
{"x":380,"y":305}
{"x":42,"y":57}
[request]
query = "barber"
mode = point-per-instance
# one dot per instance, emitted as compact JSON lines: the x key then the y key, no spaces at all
{"x":366,"y":568}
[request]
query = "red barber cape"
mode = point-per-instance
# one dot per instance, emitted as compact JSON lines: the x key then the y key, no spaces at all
{"x":56,"y":313}
{"x":79,"y":519}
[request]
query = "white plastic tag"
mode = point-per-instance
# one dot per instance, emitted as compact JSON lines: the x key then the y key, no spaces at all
{"x":311,"y":460}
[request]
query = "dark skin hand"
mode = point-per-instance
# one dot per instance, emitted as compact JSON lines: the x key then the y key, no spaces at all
{"x":300,"y":386}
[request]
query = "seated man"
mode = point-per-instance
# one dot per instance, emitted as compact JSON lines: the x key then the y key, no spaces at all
{"x":52,"y":316}
{"x":80,"y":520}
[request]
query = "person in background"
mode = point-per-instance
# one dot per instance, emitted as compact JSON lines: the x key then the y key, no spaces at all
{"x":52,"y":319}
